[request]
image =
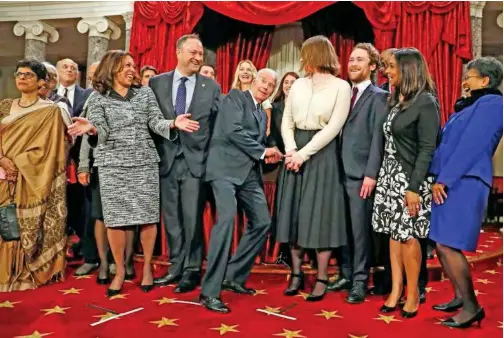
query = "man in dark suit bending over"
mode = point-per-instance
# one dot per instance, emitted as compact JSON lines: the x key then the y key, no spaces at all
{"x":190,"y":100}
{"x":361,"y":151}
{"x":237,"y":148}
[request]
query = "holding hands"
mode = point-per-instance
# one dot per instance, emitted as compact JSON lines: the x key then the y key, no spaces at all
{"x":293,"y":161}
{"x":272,"y":155}
{"x":412,"y":201}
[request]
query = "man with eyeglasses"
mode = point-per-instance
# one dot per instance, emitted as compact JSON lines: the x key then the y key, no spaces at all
{"x":51,"y":84}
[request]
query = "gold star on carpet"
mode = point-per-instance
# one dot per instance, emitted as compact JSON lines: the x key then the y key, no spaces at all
{"x":429,"y":289}
{"x":119,"y":296}
{"x":290,"y":334}
{"x":302,"y":294}
{"x":333,"y":279}
{"x":387,"y":319}
{"x":54,"y":310}
{"x":484,"y":245}
{"x":35,"y":334}
{"x":165,"y":300}
{"x":328,"y":314}
{"x":8,"y":304}
{"x":492,"y":272}
{"x":477,"y":293}
{"x":352,"y":336}
{"x":500,"y":327}
{"x":83,"y":277}
{"x":165,"y":322}
{"x":272,"y":309}
{"x":260,"y":292}
{"x":72,"y":291}
{"x":223,"y":329}
{"x":484,"y":281}
{"x":479,"y":251}
{"x":440,"y":321}
{"x":105,"y":316}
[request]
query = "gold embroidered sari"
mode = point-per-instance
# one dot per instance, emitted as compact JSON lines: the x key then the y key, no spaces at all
{"x":35,"y":142}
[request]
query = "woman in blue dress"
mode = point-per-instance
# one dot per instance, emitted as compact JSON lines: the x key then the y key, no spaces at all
{"x":462,"y":165}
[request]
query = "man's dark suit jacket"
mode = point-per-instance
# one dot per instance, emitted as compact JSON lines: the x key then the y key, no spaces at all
{"x":362,"y":141}
{"x":203,"y":108}
{"x":238,"y":141}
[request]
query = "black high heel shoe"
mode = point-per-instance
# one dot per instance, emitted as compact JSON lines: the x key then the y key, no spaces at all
{"x":407,"y":315}
{"x":114,"y":292}
{"x":293,"y":292}
{"x":388,"y":309}
{"x":478,"y":317}
{"x":312,"y":298}
{"x":103,"y":281}
{"x":451,"y":306}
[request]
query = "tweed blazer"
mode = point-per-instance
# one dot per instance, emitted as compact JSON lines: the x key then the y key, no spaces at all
{"x":123,"y":138}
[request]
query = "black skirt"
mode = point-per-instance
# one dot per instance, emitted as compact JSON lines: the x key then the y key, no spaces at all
{"x":310,"y":204}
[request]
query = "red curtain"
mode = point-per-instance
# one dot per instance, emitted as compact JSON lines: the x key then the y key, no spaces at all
{"x":343,"y":47}
{"x":156,"y":28}
{"x":256,"y":49}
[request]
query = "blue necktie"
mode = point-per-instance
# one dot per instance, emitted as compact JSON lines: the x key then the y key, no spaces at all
{"x":180,"y":100}
{"x":262,"y":119}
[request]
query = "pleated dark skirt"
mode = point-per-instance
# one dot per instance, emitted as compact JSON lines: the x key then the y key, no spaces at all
{"x":310,"y":204}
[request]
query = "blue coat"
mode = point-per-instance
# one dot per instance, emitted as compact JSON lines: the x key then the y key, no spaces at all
{"x":463,"y":162}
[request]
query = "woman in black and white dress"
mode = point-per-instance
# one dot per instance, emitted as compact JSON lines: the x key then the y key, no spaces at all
{"x":402,"y":203}
{"x":125,"y":155}
{"x":310,"y":205}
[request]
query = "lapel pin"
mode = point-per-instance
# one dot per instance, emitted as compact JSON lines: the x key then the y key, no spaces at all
{"x":203,"y":85}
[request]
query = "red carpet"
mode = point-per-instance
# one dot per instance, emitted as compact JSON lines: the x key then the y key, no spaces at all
{"x":22,"y":313}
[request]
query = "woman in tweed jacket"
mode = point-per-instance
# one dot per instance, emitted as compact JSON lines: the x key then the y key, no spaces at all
{"x":125,"y":155}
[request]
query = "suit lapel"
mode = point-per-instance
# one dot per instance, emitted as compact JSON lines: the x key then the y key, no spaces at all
{"x":253,"y":107}
{"x":166,"y":86}
{"x":199,"y":87}
{"x":360,"y":103}
{"x":77,"y":96}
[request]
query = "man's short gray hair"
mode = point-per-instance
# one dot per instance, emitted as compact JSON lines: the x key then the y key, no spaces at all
{"x":490,"y":67}
{"x":268,"y":70}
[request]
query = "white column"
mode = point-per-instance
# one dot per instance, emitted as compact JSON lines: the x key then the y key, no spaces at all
{"x":37,"y":34}
{"x":476,"y":26}
{"x":128,"y":21}
{"x":100,"y":30}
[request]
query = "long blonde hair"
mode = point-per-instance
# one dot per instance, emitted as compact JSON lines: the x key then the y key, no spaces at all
{"x":236,"y":82}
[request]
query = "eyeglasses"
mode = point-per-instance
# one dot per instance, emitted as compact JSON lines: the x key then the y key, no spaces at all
{"x":465,"y":78}
{"x":52,"y":76}
{"x":28,"y":75}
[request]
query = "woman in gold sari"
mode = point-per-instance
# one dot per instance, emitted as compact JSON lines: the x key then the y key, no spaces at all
{"x":32,"y":156}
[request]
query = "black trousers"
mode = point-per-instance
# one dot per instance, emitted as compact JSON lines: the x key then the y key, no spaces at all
{"x":250,"y":197}
{"x":182,"y":200}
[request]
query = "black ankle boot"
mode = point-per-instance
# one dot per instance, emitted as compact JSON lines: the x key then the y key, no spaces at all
{"x":294,"y":291}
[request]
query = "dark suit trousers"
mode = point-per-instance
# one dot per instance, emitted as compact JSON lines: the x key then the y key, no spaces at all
{"x":182,"y":199}
{"x":356,"y":256}
{"x":250,"y":197}
{"x":76,"y":208}
{"x":89,"y":249}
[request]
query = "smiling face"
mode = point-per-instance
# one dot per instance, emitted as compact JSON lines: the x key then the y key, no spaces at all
{"x":245,"y":73}
{"x":146,"y":76}
{"x":208,"y":72}
{"x":126,"y":73}
{"x":472,"y":80}
{"x":392,"y":72}
{"x":190,"y":56}
{"x":287,"y":84}
{"x":359,"y":67}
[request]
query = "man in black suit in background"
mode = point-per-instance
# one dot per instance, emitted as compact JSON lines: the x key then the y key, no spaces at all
{"x":185,"y":97}
{"x":362,"y":151}
{"x":234,"y":171}
{"x":76,"y":96}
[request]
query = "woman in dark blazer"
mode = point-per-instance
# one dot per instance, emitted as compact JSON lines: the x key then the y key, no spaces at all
{"x":462,"y":165}
{"x":403,"y":195}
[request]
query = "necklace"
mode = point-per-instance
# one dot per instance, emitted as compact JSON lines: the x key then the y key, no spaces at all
{"x":28,"y":106}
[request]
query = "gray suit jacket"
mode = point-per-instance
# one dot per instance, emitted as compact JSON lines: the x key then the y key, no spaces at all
{"x":238,"y":141}
{"x":362,"y":140}
{"x":203,"y":108}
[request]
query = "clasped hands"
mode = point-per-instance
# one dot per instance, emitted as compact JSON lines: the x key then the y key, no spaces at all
{"x":11,"y":171}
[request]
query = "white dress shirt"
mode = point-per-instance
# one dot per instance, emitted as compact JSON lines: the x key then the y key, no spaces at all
{"x":361,"y":87}
{"x":255,"y":104}
{"x":70,"y":94}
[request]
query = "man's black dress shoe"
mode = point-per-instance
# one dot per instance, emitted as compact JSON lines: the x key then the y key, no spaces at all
{"x":166,"y":279}
{"x":358,"y":293}
{"x":478,"y":317}
{"x":214,"y":304}
{"x":451,"y":306}
{"x":340,"y":284}
{"x":187,"y":284}
{"x":235,"y":287}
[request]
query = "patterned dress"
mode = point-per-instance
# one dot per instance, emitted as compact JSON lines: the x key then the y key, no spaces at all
{"x":390,"y":216}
